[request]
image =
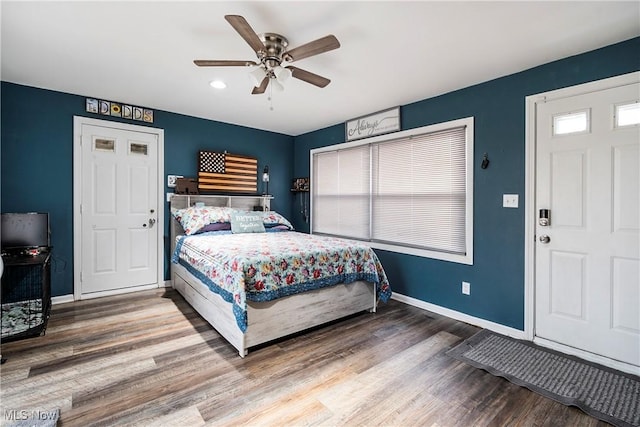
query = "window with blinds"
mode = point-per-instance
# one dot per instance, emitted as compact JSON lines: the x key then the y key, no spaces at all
{"x":341,"y":193}
{"x":408,"y":192}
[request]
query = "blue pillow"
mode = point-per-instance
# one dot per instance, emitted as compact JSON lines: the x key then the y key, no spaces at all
{"x":247,"y":222}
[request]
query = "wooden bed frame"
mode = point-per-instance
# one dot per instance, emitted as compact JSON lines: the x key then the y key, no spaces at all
{"x":266,"y":321}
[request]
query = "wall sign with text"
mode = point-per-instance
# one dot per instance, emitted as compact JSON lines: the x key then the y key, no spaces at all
{"x":375,"y":124}
{"x":117,"y":109}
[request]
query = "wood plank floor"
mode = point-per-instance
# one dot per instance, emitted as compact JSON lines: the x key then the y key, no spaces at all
{"x":148,"y":359}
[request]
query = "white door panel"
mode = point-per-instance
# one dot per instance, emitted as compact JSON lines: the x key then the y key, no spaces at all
{"x":119,"y":206}
{"x":588,"y":275}
{"x":626,"y":179}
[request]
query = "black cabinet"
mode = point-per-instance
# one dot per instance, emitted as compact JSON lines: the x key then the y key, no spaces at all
{"x":26,"y":295}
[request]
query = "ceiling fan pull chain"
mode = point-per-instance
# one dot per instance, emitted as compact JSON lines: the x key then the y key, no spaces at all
{"x":270,"y":96}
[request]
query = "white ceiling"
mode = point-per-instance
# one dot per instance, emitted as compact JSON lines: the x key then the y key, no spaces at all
{"x":392,"y":53}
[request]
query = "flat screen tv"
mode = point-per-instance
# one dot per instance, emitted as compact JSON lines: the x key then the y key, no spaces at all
{"x":24,"y":230}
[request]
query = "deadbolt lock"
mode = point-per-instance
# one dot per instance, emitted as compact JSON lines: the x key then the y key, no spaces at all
{"x":544,"y":218}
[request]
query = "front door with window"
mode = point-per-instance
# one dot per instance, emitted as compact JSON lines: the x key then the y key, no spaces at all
{"x":119,"y":209}
{"x":587,"y":270}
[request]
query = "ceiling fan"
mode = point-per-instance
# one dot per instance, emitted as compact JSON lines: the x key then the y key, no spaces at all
{"x":271,"y":53}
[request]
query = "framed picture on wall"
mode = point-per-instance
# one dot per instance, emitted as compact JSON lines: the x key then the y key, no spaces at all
{"x":92,"y":105}
{"x":374,"y":124}
{"x":116,"y":109}
{"x":127,"y":111}
{"x":105,"y":107}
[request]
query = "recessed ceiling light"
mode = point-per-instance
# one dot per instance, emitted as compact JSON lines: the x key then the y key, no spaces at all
{"x":218,"y":84}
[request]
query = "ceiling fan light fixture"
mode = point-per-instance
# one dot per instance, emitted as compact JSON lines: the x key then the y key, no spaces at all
{"x":282,"y":74}
{"x":257,"y":74}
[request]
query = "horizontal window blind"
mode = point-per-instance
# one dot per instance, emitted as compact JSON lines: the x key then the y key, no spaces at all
{"x":419,"y":191}
{"x":341,"y":192}
{"x":410,"y":192}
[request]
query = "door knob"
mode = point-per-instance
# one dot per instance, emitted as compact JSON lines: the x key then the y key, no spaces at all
{"x":545,"y":239}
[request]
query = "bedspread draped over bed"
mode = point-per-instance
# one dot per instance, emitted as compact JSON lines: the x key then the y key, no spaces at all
{"x":266,"y":266}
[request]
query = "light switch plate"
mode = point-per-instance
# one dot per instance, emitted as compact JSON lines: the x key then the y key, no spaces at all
{"x":466,"y":288}
{"x":509,"y":200}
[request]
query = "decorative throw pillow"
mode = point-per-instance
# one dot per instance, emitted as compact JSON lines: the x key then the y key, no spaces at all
{"x":273,"y":218}
{"x":277,"y":228}
{"x":216,"y":226}
{"x":247,"y":222}
{"x":194,"y":218}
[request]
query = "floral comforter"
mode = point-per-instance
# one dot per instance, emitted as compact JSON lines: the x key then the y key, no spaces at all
{"x":266,"y":266}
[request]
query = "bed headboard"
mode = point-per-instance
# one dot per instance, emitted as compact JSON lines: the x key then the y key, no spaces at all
{"x":181,"y":201}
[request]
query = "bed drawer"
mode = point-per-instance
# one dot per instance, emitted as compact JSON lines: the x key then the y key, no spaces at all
{"x":285,"y":316}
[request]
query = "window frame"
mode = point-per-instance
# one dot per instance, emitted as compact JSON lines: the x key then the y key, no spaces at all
{"x":616,"y":115}
{"x":587,"y":129}
{"x":468,"y":123}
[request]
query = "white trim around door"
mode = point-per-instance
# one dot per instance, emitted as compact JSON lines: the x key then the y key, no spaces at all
{"x":530,"y":214}
{"x":78,"y":122}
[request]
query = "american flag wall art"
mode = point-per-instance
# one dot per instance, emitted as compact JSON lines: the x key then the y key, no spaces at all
{"x":227,"y":173}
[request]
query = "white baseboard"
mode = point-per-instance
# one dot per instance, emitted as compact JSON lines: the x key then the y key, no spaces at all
{"x":516,"y":333}
{"x":462,"y":317}
{"x":62,"y":299}
{"x":120,"y":291}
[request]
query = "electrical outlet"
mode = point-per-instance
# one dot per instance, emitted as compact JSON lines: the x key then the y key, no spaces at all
{"x":171,"y":180}
{"x":509,"y":200}
{"x":466,"y":288}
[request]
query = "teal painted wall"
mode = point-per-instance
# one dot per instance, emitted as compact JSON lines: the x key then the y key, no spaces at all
{"x":37,"y":161}
{"x":498,"y":106}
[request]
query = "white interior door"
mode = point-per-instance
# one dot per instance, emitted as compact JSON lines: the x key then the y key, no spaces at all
{"x":118,"y":209}
{"x":587,"y":275}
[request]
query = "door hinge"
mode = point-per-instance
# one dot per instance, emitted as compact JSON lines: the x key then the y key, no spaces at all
{"x":82,"y":276}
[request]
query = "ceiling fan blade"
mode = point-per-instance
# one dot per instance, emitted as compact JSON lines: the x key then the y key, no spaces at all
{"x":315,"y":47}
{"x":246,"y":32}
{"x":260,"y":89}
{"x":222,"y":63}
{"x":308,"y":77}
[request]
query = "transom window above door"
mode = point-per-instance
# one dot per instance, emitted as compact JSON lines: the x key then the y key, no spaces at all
{"x":569,"y":123}
{"x":627,"y":114}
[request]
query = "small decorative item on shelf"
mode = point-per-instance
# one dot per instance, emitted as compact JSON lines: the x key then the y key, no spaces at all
{"x":186,"y":186}
{"x":265,"y":180}
{"x":301,"y":187}
{"x":300,"y":184}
